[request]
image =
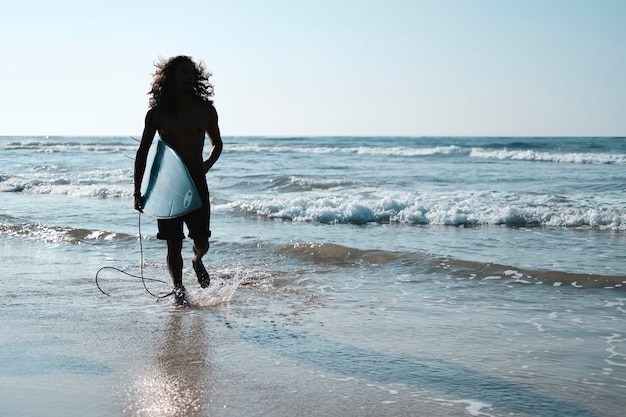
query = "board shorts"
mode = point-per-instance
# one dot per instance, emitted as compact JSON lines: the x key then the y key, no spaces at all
{"x":198,"y":222}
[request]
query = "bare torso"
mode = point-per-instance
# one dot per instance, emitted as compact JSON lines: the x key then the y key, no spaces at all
{"x":186,"y":133}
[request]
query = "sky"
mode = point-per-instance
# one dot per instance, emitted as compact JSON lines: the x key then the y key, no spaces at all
{"x":323,"y":67}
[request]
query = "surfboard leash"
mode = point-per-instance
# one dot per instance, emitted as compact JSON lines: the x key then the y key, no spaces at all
{"x":144,"y":279}
{"x":141,"y":276}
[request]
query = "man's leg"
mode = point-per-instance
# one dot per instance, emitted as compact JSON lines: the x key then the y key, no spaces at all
{"x":200,"y":248}
{"x":175,"y":262}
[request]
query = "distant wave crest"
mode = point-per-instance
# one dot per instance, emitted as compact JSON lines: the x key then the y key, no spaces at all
{"x":530,"y":155}
{"x":443,"y":151}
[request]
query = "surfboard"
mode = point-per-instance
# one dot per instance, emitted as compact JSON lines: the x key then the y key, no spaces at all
{"x":167,"y":188}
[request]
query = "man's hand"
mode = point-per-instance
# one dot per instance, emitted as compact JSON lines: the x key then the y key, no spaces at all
{"x":139,"y":202}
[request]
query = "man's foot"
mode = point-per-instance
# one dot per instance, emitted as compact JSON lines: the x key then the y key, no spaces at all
{"x":179,"y":294}
{"x":203,"y":276}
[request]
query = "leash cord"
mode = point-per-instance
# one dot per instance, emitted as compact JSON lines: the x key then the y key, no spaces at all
{"x":141,"y":276}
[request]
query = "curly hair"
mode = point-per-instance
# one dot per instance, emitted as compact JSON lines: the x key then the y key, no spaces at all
{"x":162,"y":92}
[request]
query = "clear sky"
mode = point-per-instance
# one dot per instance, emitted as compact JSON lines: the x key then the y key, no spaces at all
{"x":322,"y":67}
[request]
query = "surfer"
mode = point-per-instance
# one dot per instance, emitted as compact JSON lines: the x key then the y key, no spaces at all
{"x":182,"y":113}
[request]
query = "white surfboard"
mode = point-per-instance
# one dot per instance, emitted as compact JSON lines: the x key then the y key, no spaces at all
{"x":167,"y":188}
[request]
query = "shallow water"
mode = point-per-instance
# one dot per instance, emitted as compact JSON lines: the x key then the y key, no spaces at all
{"x":314,"y":308}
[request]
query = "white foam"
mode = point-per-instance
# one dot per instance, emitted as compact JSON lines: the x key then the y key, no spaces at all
{"x":474,"y":407}
{"x":100,"y":184}
{"x":458,"y":208}
{"x":75,"y":145}
{"x":218,"y":293}
{"x":530,"y":155}
{"x":617,"y":355}
{"x":404,"y":151}
{"x":538,"y":326}
{"x":224,"y":284}
{"x":449,"y":150}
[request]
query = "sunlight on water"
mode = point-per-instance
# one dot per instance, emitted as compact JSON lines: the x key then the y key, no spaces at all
{"x":157,"y":394}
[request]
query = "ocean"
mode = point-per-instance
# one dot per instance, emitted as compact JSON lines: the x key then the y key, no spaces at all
{"x":351,"y":276}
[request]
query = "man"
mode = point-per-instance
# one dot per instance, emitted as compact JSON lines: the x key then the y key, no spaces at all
{"x":182,"y":113}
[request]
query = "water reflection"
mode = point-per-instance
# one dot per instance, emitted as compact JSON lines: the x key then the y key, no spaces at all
{"x":179,"y":383}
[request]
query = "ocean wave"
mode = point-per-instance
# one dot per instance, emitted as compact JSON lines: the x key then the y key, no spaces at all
{"x":42,"y":145}
{"x":523,"y":276}
{"x":293,"y":183}
{"x":359,"y":150}
{"x":520,"y":153}
{"x":457,"y":210}
{"x":531,"y":155}
{"x":58,"y":234}
{"x":96,"y":184}
{"x":330,"y":253}
{"x":343,"y":256}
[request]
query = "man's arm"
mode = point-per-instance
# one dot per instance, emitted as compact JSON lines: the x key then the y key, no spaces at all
{"x":149,"y":131}
{"x":215,"y":137}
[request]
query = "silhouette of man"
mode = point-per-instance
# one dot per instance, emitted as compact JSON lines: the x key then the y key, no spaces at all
{"x":182,"y":113}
